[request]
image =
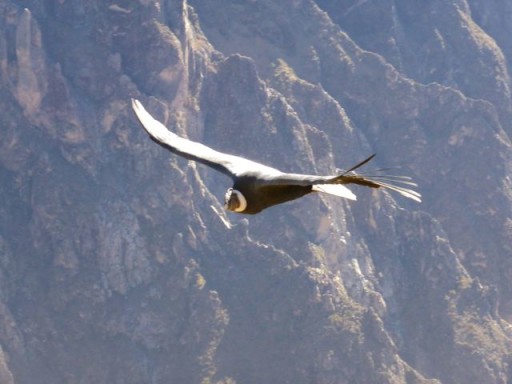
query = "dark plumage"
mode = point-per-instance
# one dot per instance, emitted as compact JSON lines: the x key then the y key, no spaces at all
{"x":257,"y":186}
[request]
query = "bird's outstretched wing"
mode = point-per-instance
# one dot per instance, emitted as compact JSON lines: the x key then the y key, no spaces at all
{"x":334,"y":184}
{"x":233,"y":166}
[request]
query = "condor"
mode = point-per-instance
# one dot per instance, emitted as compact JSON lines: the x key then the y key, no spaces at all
{"x":257,"y":186}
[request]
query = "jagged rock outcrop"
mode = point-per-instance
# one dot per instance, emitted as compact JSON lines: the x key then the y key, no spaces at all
{"x":117,"y":261}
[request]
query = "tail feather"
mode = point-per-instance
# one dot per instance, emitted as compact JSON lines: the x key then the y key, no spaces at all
{"x":390,"y":182}
{"x":406,"y":180}
{"x":382,"y":182}
{"x":406,"y":192}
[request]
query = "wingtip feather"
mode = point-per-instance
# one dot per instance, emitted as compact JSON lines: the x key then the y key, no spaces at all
{"x":406,"y":192}
{"x":152,"y":126}
{"x":136,"y":105}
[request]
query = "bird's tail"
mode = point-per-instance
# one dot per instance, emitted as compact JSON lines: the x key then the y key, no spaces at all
{"x":394,"y":183}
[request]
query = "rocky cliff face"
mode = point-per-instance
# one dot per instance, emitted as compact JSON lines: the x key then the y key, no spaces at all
{"x":116,"y":261}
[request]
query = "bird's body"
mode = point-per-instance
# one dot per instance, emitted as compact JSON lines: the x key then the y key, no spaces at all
{"x":257,"y":186}
{"x":260,"y":196}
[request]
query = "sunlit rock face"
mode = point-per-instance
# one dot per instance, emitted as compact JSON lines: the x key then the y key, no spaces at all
{"x":117,"y":260}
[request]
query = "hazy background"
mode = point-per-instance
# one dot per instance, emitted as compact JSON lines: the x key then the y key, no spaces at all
{"x":115,"y":262}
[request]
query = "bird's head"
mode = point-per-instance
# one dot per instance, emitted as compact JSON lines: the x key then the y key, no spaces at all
{"x":234,"y":200}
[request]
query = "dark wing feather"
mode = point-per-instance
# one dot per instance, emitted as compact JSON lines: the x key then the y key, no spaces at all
{"x":393,"y":183}
{"x":233,"y":166}
{"x":318,"y":183}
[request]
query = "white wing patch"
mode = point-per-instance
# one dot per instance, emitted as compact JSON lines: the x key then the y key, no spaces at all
{"x":336,"y":190}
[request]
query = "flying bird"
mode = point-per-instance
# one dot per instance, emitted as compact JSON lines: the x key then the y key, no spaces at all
{"x":257,"y":186}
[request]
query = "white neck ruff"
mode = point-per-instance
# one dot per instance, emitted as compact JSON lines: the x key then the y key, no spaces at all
{"x":241,"y":199}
